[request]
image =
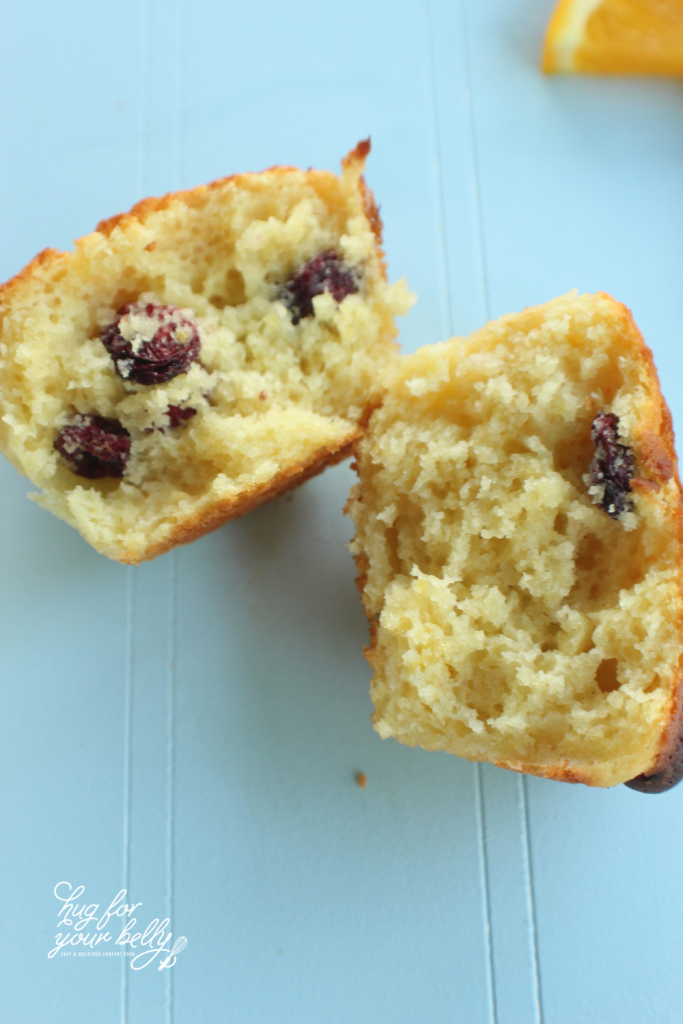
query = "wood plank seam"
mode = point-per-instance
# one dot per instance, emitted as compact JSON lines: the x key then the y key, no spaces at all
{"x":528,"y":871}
{"x":428,"y":60}
{"x":480,"y":248}
{"x":170,"y":769}
{"x":478,"y":242}
{"x":486,"y":310}
{"x":127,"y":760}
{"x":485,"y":890}
{"x":178,"y":131}
{"x":436,"y":163}
{"x":479,"y":239}
{"x":140,"y":177}
{"x":447,"y":327}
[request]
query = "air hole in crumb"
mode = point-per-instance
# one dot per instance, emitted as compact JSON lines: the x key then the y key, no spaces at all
{"x":550,"y":642}
{"x":590,"y":550}
{"x":515,"y":447}
{"x":233,"y":293}
{"x":560,"y":524}
{"x":440,"y":491}
{"x":461,"y":419}
{"x":197,"y":282}
{"x":234,"y":288}
{"x":608,"y":382}
{"x":123,"y":297}
{"x":575,"y":452}
{"x":606,"y":675}
{"x":654,"y":685}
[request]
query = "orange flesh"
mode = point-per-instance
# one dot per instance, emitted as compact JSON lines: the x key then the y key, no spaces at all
{"x":641,"y":37}
{"x":633,"y":37}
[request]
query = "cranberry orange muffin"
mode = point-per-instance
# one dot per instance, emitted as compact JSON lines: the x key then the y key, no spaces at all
{"x":198,"y":355}
{"x":518,"y":539}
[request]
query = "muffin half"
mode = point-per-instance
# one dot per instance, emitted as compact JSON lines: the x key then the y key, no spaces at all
{"x":518,"y":539}
{"x":198,"y":355}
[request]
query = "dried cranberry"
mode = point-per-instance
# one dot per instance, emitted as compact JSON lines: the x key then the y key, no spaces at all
{"x":178,"y":415}
{"x":324,"y":273}
{"x":613,"y":465}
{"x":151,"y":344}
{"x":94,"y":446}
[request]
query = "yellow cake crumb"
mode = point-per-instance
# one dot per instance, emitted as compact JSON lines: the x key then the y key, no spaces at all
{"x":513,"y":619}
{"x":275,"y":400}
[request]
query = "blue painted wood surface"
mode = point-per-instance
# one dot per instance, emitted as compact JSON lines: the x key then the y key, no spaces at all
{"x":190,"y":730}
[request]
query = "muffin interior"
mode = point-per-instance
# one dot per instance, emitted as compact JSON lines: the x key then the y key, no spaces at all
{"x":517,"y":621}
{"x":268,"y":394}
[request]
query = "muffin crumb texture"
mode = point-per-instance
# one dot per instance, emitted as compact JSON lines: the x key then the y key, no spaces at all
{"x":518,"y":615}
{"x":237,"y":335}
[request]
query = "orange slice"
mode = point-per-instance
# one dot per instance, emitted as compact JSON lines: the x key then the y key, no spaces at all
{"x":616,"y":37}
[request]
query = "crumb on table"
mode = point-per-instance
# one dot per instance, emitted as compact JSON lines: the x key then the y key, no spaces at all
{"x":362,"y":779}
